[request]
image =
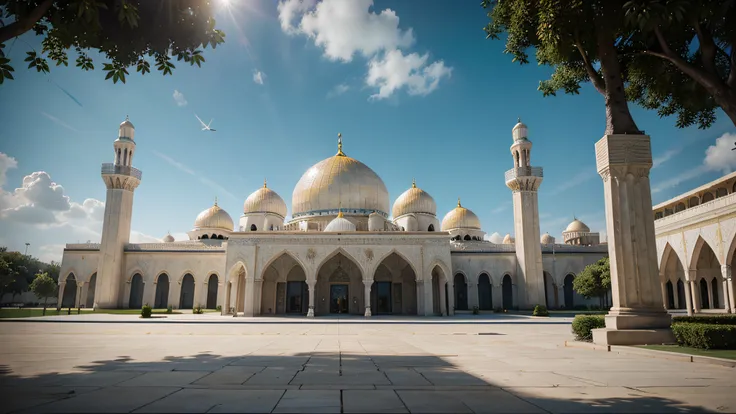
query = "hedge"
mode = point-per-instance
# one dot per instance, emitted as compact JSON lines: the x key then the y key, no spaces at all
{"x":583,"y":325}
{"x":705,"y":336}
{"x":710,"y":319}
{"x":540,"y":310}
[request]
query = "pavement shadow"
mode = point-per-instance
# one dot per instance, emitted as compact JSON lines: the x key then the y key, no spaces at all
{"x":311,"y":382}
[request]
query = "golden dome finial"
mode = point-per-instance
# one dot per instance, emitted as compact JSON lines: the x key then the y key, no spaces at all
{"x":215,"y":201}
{"x":458,"y":202}
{"x":339,"y":210}
{"x":413,"y":183}
{"x":265,"y":183}
{"x":518,"y":119}
{"x":339,"y":144}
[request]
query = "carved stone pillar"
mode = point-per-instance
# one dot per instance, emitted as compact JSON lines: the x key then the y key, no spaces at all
{"x":311,"y":284}
{"x":688,"y":299}
{"x":728,"y":288}
{"x":78,"y":301}
{"x":664,"y":293}
{"x":710,"y":296}
{"x":638,"y":316}
{"x":367,"y":296}
{"x":695,"y":291}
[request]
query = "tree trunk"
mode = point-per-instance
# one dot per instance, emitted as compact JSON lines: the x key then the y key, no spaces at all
{"x":618,"y":116}
{"x":45,"y":300}
{"x":23,"y":25}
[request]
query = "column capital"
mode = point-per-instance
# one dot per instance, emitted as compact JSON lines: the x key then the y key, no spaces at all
{"x":618,"y":155}
{"x":726,"y":271}
{"x":692,"y":275}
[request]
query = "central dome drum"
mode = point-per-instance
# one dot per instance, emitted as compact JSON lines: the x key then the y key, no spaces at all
{"x":339,"y":182}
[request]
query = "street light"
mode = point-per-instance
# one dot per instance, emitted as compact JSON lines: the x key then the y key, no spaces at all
{"x":26,"y":253}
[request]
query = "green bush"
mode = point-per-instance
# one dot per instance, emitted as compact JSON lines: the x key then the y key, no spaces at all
{"x":705,"y":336}
{"x":708,"y":319}
{"x":169,"y":309}
{"x":540,"y":310}
{"x":146,"y":311}
{"x":219,"y":308}
{"x":476,"y":310}
{"x":197,"y":310}
{"x":583,"y":325}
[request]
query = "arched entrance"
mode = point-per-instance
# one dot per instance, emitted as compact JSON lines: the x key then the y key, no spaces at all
{"x":673,"y":271}
{"x":186,"y":296}
{"x":91,"y":286}
{"x":135,"y":301}
{"x":550,"y":296}
{"x":714,"y":288}
{"x":485,"y":292}
{"x":461,"y":292}
{"x":507,"y":291}
{"x":394,"y":288}
{"x":670,"y":295}
{"x":339,"y":288}
{"x":440,"y":295}
{"x":568,"y":291}
{"x":682,"y":302}
{"x":212,"y":285}
{"x":704,"y":301}
{"x":69,"y":296}
{"x":284,"y":288}
{"x":161,"y":300}
{"x":707,"y":269}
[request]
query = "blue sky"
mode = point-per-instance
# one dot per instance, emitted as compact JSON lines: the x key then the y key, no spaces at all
{"x":280,"y":89}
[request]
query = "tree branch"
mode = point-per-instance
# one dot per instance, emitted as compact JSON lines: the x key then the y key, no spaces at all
{"x":592,"y":74}
{"x":708,"y":49}
{"x":26,"y":23}
{"x":731,"y":81}
{"x":704,"y":78}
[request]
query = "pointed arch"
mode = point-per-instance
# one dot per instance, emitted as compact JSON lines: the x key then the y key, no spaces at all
{"x":667,"y":254}
{"x":398,"y":253}
{"x":342,"y":251}
{"x":66,"y":274}
{"x":697,"y":249}
{"x":162,"y":272}
{"x":184,"y":273}
{"x":277,"y":256}
{"x":437,"y":262}
{"x":485,"y":291}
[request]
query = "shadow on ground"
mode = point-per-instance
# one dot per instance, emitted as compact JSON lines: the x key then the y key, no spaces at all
{"x":314,"y":382}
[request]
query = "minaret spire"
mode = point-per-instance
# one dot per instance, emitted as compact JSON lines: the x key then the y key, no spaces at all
{"x":264,"y":183}
{"x":458,"y":202}
{"x":215,"y":201}
{"x":339,"y":145}
{"x":413,"y":183}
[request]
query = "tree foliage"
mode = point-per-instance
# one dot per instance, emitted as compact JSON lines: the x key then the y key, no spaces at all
{"x":44,"y":287}
{"x":130,"y":34}
{"x":594,"y":280}
{"x":7,"y":276}
{"x":24,"y":269}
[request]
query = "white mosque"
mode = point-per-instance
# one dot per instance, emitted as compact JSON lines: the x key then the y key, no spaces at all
{"x":344,"y":250}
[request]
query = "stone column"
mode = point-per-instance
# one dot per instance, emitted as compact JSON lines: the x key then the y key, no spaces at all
{"x":311,"y":284}
{"x":637,"y":316}
{"x":688,"y":299}
{"x":367,"y":296}
{"x":78,"y":300}
{"x":695,"y":291}
{"x":428,"y":297}
{"x":450,"y":297}
{"x":443,"y":303}
{"x":62,"y":286}
{"x":710,"y":296}
{"x":728,"y":288}
{"x":664,"y":294}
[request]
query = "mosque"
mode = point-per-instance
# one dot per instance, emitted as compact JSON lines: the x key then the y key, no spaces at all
{"x":343,"y":251}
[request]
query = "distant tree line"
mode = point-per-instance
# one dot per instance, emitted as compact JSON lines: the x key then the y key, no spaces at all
{"x":17,"y":271}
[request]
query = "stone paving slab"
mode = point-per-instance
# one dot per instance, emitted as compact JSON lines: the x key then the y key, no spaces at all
{"x":215,"y":401}
{"x":20,"y":398}
{"x":309,"y":401}
{"x":165,"y":379}
{"x":231,"y":375}
{"x":106,"y":400}
{"x":355,"y":401}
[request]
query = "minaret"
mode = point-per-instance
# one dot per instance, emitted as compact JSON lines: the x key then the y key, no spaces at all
{"x":524,"y":181}
{"x":121,"y":180}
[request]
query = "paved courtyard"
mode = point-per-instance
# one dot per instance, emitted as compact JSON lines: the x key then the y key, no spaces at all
{"x":209,"y":363}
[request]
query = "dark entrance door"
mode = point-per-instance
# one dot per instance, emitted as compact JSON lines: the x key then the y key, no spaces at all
{"x":338,"y":298}
{"x":383,"y":297}
{"x":294,"y":297}
{"x":567,"y":288}
{"x":485,"y":294}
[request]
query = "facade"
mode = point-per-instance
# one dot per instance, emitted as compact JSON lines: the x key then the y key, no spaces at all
{"x":344,"y":250}
{"x":696,"y":240}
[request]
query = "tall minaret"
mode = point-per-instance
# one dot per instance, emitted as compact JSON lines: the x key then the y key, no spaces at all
{"x":524,"y":181}
{"x":121,"y":180}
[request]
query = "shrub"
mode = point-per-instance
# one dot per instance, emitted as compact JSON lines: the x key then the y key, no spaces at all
{"x":583,"y":325}
{"x":476,"y":310}
{"x":146,"y":311}
{"x":169,"y":309}
{"x":540,"y":310}
{"x":197,"y":310}
{"x":219,"y":308}
{"x":709,"y":319}
{"x":705,"y":336}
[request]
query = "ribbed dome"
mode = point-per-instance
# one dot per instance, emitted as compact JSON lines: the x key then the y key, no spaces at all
{"x":214,"y":218}
{"x":577,"y":226}
{"x":547,"y":239}
{"x":126,"y":130}
{"x":340,"y":224}
{"x":460,"y":218}
{"x":265,"y":200}
{"x":168,"y":238}
{"x":339,"y":181}
{"x":520,"y":131}
{"x":508,"y":239}
{"x":414,"y":200}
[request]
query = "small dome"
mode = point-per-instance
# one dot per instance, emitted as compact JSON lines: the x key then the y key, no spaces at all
{"x":460,"y":218}
{"x":339,"y":225}
{"x":577,"y":226}
{"x":265,"y":200}
{"x":414,"y":200}
{"x":214,"y":218}
{"x":126,"y":130}
{"x":168,"y":238}
{"x":508,"y":239}
{"x":520,"y":131}
{"x":547,"y":239}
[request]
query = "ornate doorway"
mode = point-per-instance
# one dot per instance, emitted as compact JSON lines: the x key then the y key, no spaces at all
{"x":339,"y":298}
{"x":383,"y":297}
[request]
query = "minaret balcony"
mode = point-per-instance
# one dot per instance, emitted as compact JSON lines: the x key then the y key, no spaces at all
{"x":110,"y":168}
{"x":521,"y":172}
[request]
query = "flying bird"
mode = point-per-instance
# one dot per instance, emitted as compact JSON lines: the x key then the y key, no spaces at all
{"x":205,"y":127}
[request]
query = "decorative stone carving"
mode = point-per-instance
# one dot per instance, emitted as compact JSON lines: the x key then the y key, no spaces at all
{"x":368,"y":255}
{"x":311,"y":254}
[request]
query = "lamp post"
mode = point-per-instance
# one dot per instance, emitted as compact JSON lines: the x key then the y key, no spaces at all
{"x":26,"y":253}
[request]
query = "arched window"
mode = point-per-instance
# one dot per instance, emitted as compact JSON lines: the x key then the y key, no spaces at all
{"x":694,"y":201}
{"x":205,"y":237}
{"x":679,"y":207}
{"x":431,"y":227}
{"x":253,"y":227}
{"x":708,"y":197}
{"x":467,"y":237}
{"x":118,"y":158}
{"x":721,"y":192}
{"x":125,"y":157}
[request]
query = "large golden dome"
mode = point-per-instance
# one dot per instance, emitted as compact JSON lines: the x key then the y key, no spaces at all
{"x":460,"y":218}
{"x":339,"y":182}
{"x":214,"y":218}
{"x":414,"y":200}
{"x":265,"y":200}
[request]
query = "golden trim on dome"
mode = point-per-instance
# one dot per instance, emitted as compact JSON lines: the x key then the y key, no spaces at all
{"x":458,"y":202}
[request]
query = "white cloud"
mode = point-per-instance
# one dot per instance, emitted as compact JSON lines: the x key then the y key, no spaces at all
{"x":338,"y":90}
{"x":718,"y":157}
{"x":346,"y":28}
{"x":6,"y":163}
{"x":179,"y":98}
{"x":60,"y":122}
{"x":666,"y":156}
{"x":259,"y":77}
{"x":138,"y":237}
{"x":494,"y":238}
{"x":395,"y":70}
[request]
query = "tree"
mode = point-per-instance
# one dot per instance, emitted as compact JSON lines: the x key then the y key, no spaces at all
{"x":7,"y":276}
{"x":127,"y":32}
{"x":572,"y":36}
{"x":594,"y":280}
{"x":44,"y":287}
{"x":690,"y":43}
